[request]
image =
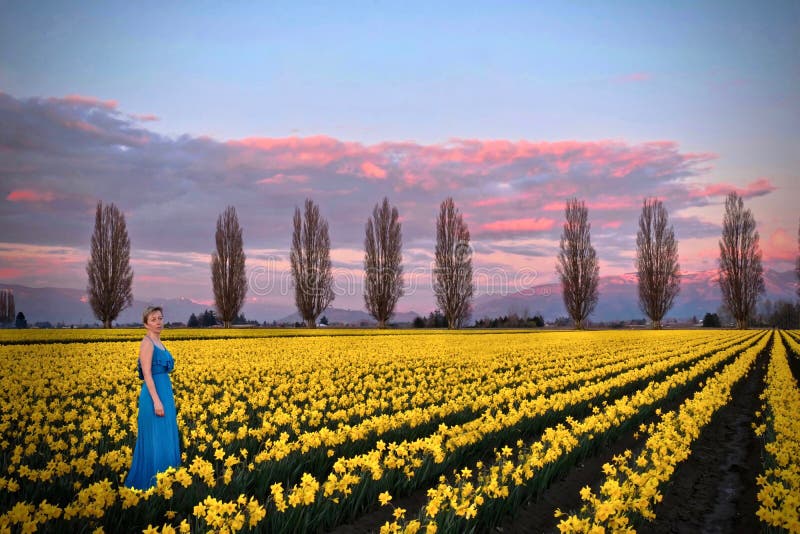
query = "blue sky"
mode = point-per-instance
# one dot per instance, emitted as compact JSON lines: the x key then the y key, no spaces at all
{"x":716,"y":81}
{"x":374,"y":71}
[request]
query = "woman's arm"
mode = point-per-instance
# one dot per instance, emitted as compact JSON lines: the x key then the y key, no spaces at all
{"x":146,"y":358}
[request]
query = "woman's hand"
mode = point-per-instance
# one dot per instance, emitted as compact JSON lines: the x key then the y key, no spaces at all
{"x":158,"y":408}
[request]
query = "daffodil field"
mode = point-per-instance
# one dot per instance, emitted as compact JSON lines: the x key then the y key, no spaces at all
{"x":298,"y":431}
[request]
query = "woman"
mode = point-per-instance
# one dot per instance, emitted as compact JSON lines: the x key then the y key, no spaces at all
{"x":157,"y":444}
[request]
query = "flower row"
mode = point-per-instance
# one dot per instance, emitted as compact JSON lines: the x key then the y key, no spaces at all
{"x":333,"y":420}
{"x":472,"y":491}
{"x":631,"y":487}
{"x":779,"y":485}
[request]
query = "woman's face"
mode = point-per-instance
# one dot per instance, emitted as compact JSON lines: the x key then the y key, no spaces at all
{"x":155,"y":321}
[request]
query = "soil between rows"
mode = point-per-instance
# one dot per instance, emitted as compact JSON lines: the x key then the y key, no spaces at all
{"x":731,"y":477}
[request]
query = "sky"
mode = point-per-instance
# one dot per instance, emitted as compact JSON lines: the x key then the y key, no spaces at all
{"x":173,"y":111}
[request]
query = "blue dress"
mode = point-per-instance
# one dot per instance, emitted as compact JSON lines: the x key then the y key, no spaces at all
{"x":157,"y":442}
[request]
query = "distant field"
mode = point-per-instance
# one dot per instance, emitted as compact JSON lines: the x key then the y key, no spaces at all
{"x":13,"y":336}
{"x":363,"y":430}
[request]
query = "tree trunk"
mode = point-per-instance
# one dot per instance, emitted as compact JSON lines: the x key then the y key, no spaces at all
{"x":311,"y":323}
{"x":107,"y":323}
{"x":381,"y":324}
{"x":226,"y":324}
{"x":656,"y":325}
{"x":741,"y":324}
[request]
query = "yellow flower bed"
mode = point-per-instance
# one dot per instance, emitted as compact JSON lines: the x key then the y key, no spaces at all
{"x":255,"y":413}
{"x":472,"y":489}
{"x":11,"y":336}
{"x":779,"y":494}
{"x":631,"y":486}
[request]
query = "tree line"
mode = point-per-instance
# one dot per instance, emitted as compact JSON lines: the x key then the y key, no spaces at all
{"x":110,"y":276}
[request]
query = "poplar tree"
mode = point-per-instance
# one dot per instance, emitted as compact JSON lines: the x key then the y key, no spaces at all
{"x":741,"y":275}
{"x":7,"y":309}
{"x":656,"y":262}
{"x":110,"y":277}
{"x":311,"y":263}
{"x":577,"y":264}
{"x":383,"y":257}
{"x":228,"y":267}
{"x":452,"y":275}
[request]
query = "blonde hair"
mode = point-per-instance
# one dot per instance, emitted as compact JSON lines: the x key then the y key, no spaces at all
{"x":149,"y":310}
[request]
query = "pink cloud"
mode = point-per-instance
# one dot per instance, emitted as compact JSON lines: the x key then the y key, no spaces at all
{"x":370,"y":170}
{"x":7,"y":273}
{"x":492,"y":201}
{"x":83,"y":126}
{"x":553,"y":206}
{"x":602,"y":204}
{"x":88,"y":101}
{"x":24,"y":262}
{"x":506,"y":188}
{"x":759,"y":187}
{"x":460,"y":163}
{"x":317,"y":151}
{"x":611,"y":204}
{"x":519,"y":225}
{"x":30,"y":195}
{"x":609,"y":158}
{"x":780,"y":246}
{"x":282,"y":178}
{"x":422,"y":179}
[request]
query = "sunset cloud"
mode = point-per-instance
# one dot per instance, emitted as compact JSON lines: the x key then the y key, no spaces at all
{"x":780,"y":245}
{"x":519,"y":225}
{"x":62,"y":155}
{"x":370,"y":170}
{"x":604,"y":203}
{"x":757,"y":188}
{"x":87,"y":101}
{"x":292,"y":152}
{"x":280,"y":178}
{"x":492,"y":201}
{"x":609,"y":203}
{"x":30,"y":195}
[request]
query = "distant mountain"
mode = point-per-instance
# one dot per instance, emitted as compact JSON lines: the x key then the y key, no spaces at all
{"x":70,"y":306}
{"x":619,"y":298}
{"x":351,"y":317}
{"x":618,"y":301}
